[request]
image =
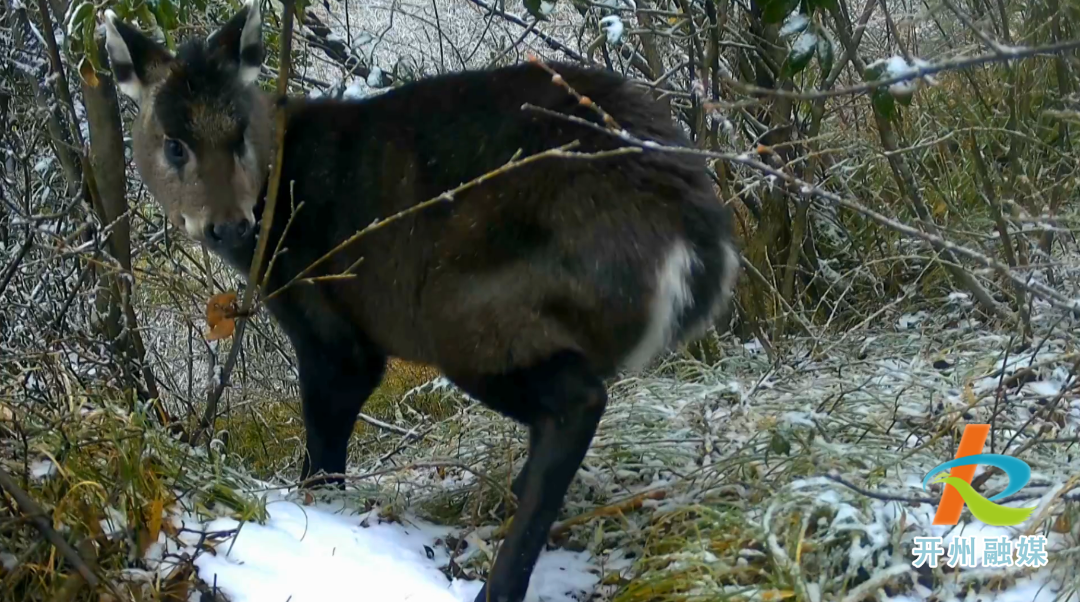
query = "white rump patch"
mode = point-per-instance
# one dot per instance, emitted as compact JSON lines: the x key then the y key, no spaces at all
{"x":732,"y":266}
{"x":671,"y":298}
{"x":728,"y":278}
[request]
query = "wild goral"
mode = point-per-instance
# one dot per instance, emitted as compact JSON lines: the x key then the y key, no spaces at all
{"x":526,"y":291}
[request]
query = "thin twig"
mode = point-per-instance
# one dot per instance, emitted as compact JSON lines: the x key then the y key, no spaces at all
{"x":1014,"y":53}
{"x":561,"y":152}
{"x":550,"y":41}
{"x":880,"y":496}
{"x":410,"y":433}
{"x":288,"y":7}
{"x":1051,"y":296}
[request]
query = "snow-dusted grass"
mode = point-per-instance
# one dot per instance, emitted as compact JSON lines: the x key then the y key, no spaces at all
{"x":747,"y":479}
{"x":744,"y":478}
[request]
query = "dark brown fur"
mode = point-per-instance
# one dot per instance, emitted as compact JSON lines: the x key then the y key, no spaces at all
{"x":526,"y":291}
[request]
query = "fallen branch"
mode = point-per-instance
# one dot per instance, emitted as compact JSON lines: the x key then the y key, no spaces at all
{"x":880,"y":496}
{"x":373,"y":421}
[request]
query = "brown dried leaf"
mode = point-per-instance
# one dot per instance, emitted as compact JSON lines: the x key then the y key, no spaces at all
{"x":153,"y":521}
{"x":87,"y":73}
{"x":221,"y":311}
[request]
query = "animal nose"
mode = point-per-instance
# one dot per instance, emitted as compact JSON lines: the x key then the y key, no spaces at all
{"x":229,"y":233}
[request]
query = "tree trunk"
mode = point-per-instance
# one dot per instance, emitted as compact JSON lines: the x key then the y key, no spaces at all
{"x":106,"y":147}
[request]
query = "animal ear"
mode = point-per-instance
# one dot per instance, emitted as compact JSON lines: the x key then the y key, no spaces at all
{"x":240,"y":41}
{"x":135,"y":59}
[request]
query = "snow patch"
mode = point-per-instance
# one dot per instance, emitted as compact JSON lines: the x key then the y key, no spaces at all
{"x":42,"y":469}
{"x":325,"y":552}
{"x":613,"y":28}
{"x":898,"y":66}
{"x":805,"y":43}
{"x":794,"y":23}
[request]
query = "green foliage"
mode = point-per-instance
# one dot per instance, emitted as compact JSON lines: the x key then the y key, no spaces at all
{"x":775,"y":11}
{"x":883,"y":102}
{"x":825,"y":54}
{"x":533,"y":6}
{"x":166,"y":12}
{"x":800,"y":54}
{"x":824,"y":5}
{"x":778,"y":444}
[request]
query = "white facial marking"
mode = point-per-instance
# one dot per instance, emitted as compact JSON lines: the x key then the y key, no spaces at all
{"x":119,"y":55}
{"x":670,"y":299}
{"x":194,"y":225}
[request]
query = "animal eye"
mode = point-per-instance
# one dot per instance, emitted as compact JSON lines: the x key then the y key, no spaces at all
{"x":174,"y":152}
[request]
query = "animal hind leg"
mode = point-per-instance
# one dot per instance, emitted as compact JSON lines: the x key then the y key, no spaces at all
{"x":517,"y":486}
{"x":562,"y":400}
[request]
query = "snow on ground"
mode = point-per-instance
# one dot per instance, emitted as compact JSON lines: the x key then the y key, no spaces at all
{"x":325,"y":552}
{"x":746,"y":473}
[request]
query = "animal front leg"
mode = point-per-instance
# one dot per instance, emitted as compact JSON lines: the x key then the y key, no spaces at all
{"x":336,"y":378}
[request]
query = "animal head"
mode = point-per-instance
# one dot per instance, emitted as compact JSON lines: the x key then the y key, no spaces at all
{"x":202,"y":137}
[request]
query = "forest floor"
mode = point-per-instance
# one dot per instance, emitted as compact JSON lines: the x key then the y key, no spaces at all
{"x":749,"y":479}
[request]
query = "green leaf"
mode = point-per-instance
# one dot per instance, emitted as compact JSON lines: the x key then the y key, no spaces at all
{"x":825,"y":5}
{"x":166,"y":14}
{"x":873,"y":72}
{"x":774,"y":11}
{"x":89,"y":46}
{"x":83,"y":14}
{"x":802,"y":50}
{"x":533,"y":6}
{"x":905,"y":99}
{"x":825,"y":54}
{"x":779,"y":445}
{"x":884,"y":103}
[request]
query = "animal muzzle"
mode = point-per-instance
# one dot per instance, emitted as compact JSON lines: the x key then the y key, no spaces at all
{"x":229,"y":234}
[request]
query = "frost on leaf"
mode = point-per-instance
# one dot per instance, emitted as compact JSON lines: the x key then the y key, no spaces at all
{"x":802,"y":50}
{"x":375,"y":77}
{"x":775,"y":11}
{"x":613,"y":28}
{"x":894,"y":67}
{"x":540,"y":9}
{"x":794,"y":23}
{"x":221,"y":311}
